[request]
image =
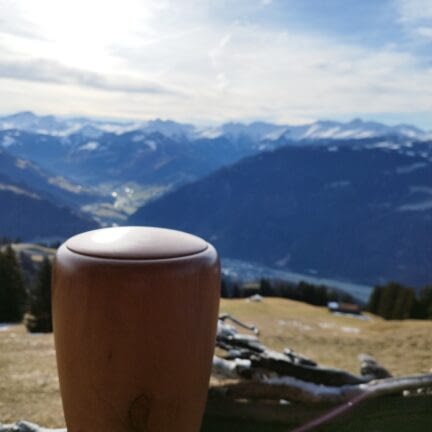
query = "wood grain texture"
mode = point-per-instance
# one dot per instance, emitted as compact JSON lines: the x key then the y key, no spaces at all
{"x":134,"y":340}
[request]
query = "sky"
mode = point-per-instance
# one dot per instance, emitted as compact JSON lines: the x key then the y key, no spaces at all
{"x":210,"y":61}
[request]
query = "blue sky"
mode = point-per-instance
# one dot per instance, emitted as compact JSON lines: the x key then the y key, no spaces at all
{"x":290,"y":61}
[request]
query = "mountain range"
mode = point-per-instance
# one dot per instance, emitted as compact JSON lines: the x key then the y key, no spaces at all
{"x":106,"y":155}
{"x":330,"y":200}
{"x":255,"y":131}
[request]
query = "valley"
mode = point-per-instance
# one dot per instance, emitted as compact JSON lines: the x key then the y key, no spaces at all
{"x":345,"y":202}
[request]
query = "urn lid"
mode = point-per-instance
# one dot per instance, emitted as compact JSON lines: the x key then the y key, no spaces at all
{"x":136,"y":243}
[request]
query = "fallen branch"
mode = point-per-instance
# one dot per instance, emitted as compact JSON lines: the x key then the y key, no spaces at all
{"x":273,"y":361}
{"x":295,"y":390}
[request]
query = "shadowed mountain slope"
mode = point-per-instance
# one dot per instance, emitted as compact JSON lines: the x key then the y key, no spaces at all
{"x":359,"y":214}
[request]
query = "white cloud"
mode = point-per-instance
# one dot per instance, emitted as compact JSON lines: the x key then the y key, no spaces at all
{"x":127,"y":59}
{"x":416,"y":17}
{"x":49,"y":71}
{"x":425,"y":32}
{"x":414,"y":10}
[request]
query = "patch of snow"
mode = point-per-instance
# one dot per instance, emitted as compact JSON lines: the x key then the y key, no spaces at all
{"x":356,"y":133}
{"x":326,"y":325}
{"x":282,"y":262}
{"x":90,"y":146}
{"x":17,"y":190}
{"x":410,"y":168}
{"x":296,"y":324}
{"x":387,"y":145}
{"x":353,"y":330}
{"x":152,"y":145}
{"x":8,"y":141}
{"x":312,"y":131}
{"x":209,"y":133}
{"x":22,"y":163}
{"x":255,"y":298}
{"x":409,"y":133}
{"x":118,"y":128}
{"x":138,"y":138}
{"x":276,"y":134}
{"x":420,"y":206}
{"x":334,"y":132}
{"x":421,"y":189}
{"x":424,"y":204}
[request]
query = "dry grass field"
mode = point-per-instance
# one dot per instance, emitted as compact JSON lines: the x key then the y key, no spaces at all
{"x":28,"y":378}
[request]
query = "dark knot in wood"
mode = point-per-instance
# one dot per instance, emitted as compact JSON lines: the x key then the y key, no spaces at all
{"x":139,"y":413}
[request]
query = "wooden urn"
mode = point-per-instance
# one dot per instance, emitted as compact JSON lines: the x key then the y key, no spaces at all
{"x":135,"y":313}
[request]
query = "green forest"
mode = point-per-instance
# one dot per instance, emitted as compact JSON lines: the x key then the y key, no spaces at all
{"x":25,"y":298}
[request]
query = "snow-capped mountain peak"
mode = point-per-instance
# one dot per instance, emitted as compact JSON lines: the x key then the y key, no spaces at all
{"x":255,"y":132}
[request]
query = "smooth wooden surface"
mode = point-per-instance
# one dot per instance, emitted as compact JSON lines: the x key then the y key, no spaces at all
{"x":136,"y":243}
{"x":134,"y":340}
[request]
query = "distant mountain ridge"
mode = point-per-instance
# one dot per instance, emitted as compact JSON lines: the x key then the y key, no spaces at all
{"x":61,"y":126}
{"x":149,"y":158}
{"x":356,"y":213}
{"x":255,"y":131}
{"x":168,"y":154}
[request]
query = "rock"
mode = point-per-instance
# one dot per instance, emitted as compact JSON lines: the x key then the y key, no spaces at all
{"x":371,"y":368}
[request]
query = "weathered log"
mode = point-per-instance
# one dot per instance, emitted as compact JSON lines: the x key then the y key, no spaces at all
{"x":298,"y":358}
{"x":225,"y":316}
{"x":265,"y":361}
{"x":295,"y":390}
{"x":228,"y":338}
{"x":290,"y":389}
{"x":231,"y":368}
{"x":273,"y":361}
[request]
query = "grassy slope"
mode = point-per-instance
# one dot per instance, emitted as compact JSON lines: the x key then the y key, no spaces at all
{"x":28,"y":378}
{"x":29,"y":385}
{"x":402,"y":346}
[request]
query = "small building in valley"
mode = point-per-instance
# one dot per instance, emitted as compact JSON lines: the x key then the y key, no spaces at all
{"x":345,"y":308}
